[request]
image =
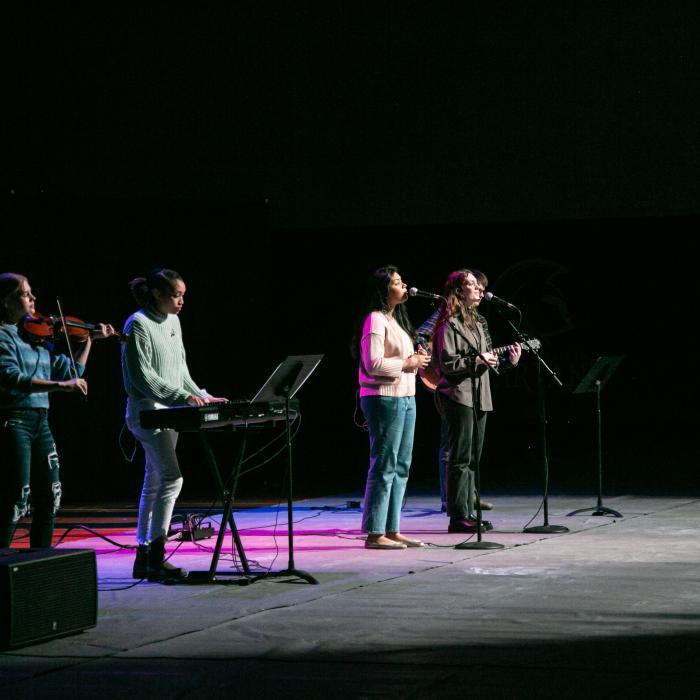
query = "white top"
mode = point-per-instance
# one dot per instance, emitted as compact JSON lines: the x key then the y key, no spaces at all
{"x":383,"y":349}
{"x":154,"y":366}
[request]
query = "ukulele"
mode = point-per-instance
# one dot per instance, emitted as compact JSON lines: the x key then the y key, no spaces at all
{"x":430,"y":375}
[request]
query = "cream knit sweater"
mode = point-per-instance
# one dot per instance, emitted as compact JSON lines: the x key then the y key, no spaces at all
{"x":154,"y":366}
{"x":384,"y":347}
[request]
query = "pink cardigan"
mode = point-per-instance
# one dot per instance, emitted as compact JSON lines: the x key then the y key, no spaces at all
{"x":384,"y":347}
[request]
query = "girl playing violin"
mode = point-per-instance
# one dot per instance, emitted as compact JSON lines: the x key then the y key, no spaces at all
{"x":28,"y":373}
{"x":155,"y":375}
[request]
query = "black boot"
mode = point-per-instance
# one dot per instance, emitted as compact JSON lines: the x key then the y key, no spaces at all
{"x":141,"y":562}
{"x":485,"y":524}
{"x":158,"y":569}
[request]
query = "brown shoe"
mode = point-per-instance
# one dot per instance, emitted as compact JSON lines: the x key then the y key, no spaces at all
{"x":382,"y":545}
{"x":402,"y":539}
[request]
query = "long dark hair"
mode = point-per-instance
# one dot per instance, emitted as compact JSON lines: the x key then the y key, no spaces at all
{"x":376,"y":299}
{"x":160,"y":279}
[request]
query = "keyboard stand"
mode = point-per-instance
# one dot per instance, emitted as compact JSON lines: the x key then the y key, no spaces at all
{"x":226,"y":494}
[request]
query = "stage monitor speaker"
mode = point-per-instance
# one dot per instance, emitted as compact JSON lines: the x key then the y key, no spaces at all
{"x":46,"y":593}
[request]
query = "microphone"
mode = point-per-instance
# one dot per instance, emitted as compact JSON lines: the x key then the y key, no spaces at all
{"x":413,"y":292}
{"x":497,"y":300}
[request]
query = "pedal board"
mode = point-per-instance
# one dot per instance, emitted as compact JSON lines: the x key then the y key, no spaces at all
{"x":198,"y":533}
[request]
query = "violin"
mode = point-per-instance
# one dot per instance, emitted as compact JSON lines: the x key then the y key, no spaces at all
{"x":39,"y":328}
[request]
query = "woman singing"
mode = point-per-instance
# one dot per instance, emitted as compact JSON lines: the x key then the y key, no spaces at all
{"x":387,"y":376}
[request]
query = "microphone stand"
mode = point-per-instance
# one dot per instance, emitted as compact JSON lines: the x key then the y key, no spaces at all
{"x":542,"y":415}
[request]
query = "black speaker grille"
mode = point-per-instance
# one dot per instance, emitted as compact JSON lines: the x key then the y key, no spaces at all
{"x":51,"y":595}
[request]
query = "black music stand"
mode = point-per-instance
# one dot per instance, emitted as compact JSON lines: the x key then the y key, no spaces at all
{"x":283,"y":384}
{"x":596,"y":378}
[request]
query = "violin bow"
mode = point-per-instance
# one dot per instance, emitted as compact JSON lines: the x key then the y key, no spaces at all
{"x":67,"y":337}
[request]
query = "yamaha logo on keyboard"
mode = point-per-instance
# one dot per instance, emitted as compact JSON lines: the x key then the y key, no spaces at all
{"x":208,"y":417}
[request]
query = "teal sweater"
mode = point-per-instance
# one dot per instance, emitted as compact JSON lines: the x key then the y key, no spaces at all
{"x":20,"y":362}
{"x":154,"y":366}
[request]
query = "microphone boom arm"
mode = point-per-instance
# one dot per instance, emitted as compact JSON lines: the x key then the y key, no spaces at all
{"x":413,"y":292}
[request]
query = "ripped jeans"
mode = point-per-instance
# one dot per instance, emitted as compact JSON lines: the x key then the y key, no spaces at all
{"x":29,"y":465}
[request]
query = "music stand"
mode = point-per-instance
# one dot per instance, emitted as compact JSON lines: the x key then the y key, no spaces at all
{"x":287,"y":378}
{"x":282,"y":385}
{"x":596,"y":378}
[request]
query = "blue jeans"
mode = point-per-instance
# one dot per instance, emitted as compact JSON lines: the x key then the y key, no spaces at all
{"x":29,"y":465}
{"x":391,"y":422}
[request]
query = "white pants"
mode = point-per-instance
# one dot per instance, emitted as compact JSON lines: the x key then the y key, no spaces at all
{"x":162,"y":479}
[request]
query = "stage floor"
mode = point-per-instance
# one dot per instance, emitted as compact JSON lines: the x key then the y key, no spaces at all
{"x":610,"y":609}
